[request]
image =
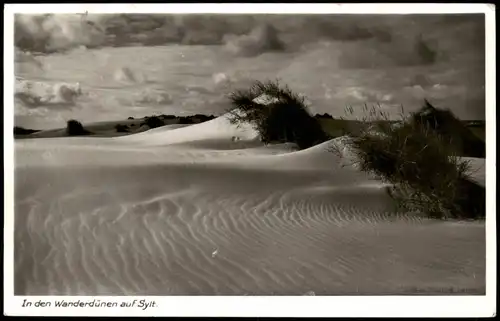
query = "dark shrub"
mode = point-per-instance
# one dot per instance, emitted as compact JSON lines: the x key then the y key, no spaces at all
{"x":75,"y":128}
{"x":121,"y":128}
{"x":186,"y":120}
{"x":130,"y":118}
{"x":284,"y":119}
{"x":153,"y":122}
{"x":422,"y":165}
{"x":201,"y":118}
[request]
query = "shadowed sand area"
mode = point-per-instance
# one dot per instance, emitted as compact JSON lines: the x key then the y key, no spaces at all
{"x":191,"y":211}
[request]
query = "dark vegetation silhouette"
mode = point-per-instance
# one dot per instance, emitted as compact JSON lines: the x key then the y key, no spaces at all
{"x":454,"y":130}
{"x":153,"y":122}
{"x":162,"y":120}
{"x":121,"y":128}
{"x":164,"y":117}
{"x":130,"y":118}
{"x":186,"y":120}
{"x":325,"y":115}
{"x":417,"y":157}
{"x":75,"y":128}
{"x":284,"y":118}
{"x":202,"y":118}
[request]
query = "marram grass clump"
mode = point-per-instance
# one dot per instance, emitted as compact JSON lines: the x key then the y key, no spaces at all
{"x":277,"y":113}
{"x":421,"y":164}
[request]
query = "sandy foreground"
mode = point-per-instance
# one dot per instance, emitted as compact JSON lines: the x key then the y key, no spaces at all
{"x":208,"y":210}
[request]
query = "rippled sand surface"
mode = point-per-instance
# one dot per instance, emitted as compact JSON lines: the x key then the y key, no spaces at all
{"x":191,"y":211}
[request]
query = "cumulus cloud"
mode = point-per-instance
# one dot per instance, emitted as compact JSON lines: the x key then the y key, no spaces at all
{"x":58,"y":32}
{"x":261,"y":39}
{"x":220,"y":78}
{"x":51,"y":32}
{"x":33,"y":94}
{"x":364,"y":95}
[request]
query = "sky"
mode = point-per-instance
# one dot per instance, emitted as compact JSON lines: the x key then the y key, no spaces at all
{"x":437,"y":56}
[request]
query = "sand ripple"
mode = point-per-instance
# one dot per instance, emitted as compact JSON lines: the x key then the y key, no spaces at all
{"x":122,"y":219}
{"x":282,"y":238}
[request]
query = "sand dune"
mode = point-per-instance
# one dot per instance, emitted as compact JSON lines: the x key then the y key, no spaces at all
{"x":191,"y":211}
{"x":215,"y":129}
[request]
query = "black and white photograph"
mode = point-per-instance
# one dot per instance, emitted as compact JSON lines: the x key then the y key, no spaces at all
{"x":249,"y":154}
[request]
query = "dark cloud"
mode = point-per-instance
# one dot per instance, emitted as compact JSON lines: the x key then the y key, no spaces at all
{"x":263,"y":38}
{"x":49,"y":33}
{"x":399,"y":52}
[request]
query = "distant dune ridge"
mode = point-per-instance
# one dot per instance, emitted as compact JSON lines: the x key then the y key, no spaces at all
{"x":117,"y":128}
{"x":467,"y":143}
{"x":23,"y":131}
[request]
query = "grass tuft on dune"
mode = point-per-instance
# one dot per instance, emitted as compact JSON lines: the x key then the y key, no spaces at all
{"x":420,"y":159}
{"x":277,"y":113}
